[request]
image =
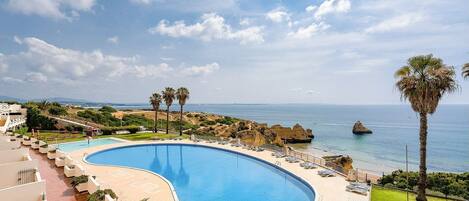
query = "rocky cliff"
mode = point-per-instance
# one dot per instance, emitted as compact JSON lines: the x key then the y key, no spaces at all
{"x":359,"y":128}
{"x":249,"y":131}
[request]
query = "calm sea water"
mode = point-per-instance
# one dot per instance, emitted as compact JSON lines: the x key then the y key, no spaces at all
{"x":393,"y":127}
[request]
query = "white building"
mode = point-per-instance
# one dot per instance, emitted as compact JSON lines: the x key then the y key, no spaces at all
{"x":12,"y":116}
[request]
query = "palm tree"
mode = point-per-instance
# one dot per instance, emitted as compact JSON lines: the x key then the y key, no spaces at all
{"x":43,"y":105}
{"x":155,"y":101}
{"x":168,"y":97}
{"x":423,"y":82}
{"x":182,"y":94}
{"x":465,"y":70}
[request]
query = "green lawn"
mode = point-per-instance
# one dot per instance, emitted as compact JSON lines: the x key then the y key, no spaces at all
{"x":381,"y":194}
{"x":53,"y":138}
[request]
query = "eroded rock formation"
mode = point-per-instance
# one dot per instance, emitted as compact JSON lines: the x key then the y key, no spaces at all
{"x":359,"y":128}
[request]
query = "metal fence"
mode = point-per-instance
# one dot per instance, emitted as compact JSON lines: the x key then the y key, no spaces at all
{"x":360,"y":175}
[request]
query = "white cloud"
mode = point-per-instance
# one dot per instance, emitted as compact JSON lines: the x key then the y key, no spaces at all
{"x":166,"y":58}
{"x":55,"y":9}
{"x":308,"y":31}
{"x":201,"y":70}
{"x":3,"y":64}
{"x":395,"y":23}
{"x":245,"y":22}
{"x":310,"y":8}
{"x":12,"y":80}
{"x":142,"y":2}
{"x":42,"y":61}
{"x":278,"y":15}
{"x":332,"y":6}
{"x":212,"y":27}
{"x":152,"y":70}
{"x":113,"y":40}
{"x":35,"y":77}
{"x":17,"y":40}
{"x":300,"y":90}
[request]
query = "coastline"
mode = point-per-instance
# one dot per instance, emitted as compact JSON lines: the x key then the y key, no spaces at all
{"x":394,"y":126}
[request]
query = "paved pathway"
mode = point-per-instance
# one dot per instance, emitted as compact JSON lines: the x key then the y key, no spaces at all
{"x":58,"y":187}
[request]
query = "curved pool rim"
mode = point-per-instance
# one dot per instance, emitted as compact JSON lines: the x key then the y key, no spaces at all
{"x":199,"y":145}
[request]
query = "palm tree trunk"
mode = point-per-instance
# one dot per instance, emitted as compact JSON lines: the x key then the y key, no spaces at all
{"x":154,"y":123}
{"x":422,"y":183}
{"x":156,"y":120}
{"x":180,"y":122}
{"x":167,"y":119}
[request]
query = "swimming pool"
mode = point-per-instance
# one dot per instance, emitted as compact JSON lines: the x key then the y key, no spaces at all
{"x":73,"y":146}
{"x":200,"y":173}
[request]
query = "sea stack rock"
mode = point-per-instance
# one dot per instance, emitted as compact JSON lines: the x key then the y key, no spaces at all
{"x":359,"y":128}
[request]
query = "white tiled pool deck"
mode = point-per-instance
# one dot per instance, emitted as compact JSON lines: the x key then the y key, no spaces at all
{"x":133,"y":184}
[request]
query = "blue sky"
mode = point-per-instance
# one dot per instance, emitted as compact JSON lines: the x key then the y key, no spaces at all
{"x":233,"y":51}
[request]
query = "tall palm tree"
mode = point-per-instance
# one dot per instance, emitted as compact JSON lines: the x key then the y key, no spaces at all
{"x":465,"y":70}
{"x":155,"y":101}
{"x":423,"y":82}
{"x":168,"y":97}
{"x":182,"y":94}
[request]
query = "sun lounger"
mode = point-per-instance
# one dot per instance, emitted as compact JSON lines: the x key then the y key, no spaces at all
{"x":291,"y":159}
{"x":359,"y":188}
{"x":308,"y":165}
{"x":326,"y":173}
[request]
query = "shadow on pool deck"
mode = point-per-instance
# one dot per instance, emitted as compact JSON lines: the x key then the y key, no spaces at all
{"x":58,"y":186}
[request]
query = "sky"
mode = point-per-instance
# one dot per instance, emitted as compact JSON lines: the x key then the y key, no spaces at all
{"x":230,"y":51}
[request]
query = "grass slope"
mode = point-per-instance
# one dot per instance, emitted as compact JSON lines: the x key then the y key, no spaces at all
{"x":381,"y":194}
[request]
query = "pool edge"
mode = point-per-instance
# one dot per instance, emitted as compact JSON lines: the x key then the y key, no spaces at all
{"x":307,"y":184}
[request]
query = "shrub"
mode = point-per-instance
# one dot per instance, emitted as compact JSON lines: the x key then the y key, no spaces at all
{"x":208,"y":123}
{"x":57,"y":110}
{"x":112,"y":130}
{"x":35,"y":120}
{"x":99,"y":195}
{"x":446,"y":183}
{"x":108,"y":109}
{"x":227,"y":120}
{"x":79,"y":180}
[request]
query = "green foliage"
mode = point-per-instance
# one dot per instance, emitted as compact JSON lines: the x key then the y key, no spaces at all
{"x":23,"y":130}
{"x":107,"y":109}
{"x":75,"y":181}
{"x":136,"y":120}
{"x":112,"y":130}
{"x":99,"y":195}
{"x":104,"y":118}
{"x":446,"y":183}
{"x":227,"y":120}
{"x":35,"y":120}
{"x":208,"y":123}
{"x":57,"y":110}
{"x":71,"y":128}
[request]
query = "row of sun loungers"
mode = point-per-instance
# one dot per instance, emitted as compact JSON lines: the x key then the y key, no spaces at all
{"x":19,"y":175}
{"x":71,"y":167}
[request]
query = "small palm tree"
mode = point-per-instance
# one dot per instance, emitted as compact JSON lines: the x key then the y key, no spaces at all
{"x":465,"y":70}
{"x":423,"y":82}
{"x":43,"y":105}
{"x":182,"y":94}
{"x":155,"y":101}
{"x":168,"y":97}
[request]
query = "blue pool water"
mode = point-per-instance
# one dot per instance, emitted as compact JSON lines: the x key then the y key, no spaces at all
{"x":73,"y":146}
{"x":200,"y":173}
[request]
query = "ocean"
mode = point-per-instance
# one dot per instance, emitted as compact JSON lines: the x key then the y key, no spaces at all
{"x":393,"y":126}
